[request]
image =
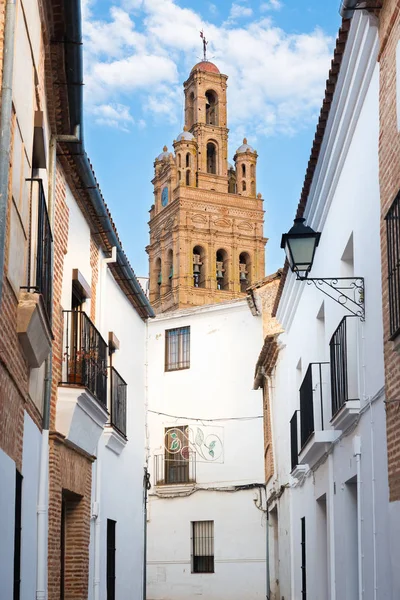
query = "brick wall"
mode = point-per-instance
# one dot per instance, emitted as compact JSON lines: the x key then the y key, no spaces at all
{"x":71,"y":477}
{"x":61,"y":226}
{"x":94,"y":263}
{"x":389,"y":165}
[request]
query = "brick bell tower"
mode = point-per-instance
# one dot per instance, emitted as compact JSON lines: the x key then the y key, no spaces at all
{"x":206,"y":223}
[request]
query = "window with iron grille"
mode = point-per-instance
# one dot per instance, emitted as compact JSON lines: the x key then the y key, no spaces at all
{"x":203,"y":547}
{"x":118,"y":402}
{"x":303,"y":560}
{"x":393,"y":258}
{"x":111,"y":526}
{"x":177,"y":348}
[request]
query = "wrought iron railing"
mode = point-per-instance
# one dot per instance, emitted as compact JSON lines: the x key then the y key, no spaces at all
{"x":339,"y":374}
{"x":85,"y":355}
{"x":306,"y":407}
{"x":393,"y":258}
{"x":312,"y":401}
{"x":169,"y":469}
{"x":40,"y":241}
{"x":118,"y":402}
{"x":294,"y":441}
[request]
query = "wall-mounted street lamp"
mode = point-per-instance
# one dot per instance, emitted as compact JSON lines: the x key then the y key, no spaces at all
{"x":300,"y":244}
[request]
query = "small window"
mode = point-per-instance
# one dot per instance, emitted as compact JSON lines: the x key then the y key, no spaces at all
{"x":243,"y":170}
{"x":188,"y":160}
{"x":243,"y":186}
{"x":211,"y":158}
{"x":111,"y":526}
{"x":203,"y":547}
{"x":188,"y":177}
{"x":393,"y":259}
{"x":179,"y":161}
{"x":177,"y":349}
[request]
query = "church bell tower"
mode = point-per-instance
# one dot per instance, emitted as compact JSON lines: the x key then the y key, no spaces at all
{"x":206,"y":223}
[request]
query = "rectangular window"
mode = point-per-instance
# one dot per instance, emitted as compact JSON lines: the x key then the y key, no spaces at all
{"x":111,"y":559}
{"x":203,"y":547}
{"x":177,"y":349}
{"x":17,"y":536}
{"x":303,"y":560}
{"x":393,"y":258}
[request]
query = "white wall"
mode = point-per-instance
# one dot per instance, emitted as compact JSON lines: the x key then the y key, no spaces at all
{"x":7,"y":512}
{"x":344,"y":201}
{"x":30,"y":482}
{"x":121,"y":476}
{"x":224,"y":342}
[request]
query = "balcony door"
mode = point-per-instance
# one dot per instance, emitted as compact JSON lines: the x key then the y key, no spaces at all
{"x":176,"y":455}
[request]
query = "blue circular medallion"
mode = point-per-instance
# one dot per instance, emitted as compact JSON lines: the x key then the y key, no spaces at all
{"x":164,"y":197}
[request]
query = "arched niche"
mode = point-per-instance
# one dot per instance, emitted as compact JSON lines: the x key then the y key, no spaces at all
{"x":212,"y":156}
{"x":211,"y":108}
{"x":190,"y":110}
{"x":157,"y":277}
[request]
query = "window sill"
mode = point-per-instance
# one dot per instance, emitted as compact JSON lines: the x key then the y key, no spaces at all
{"x":177,"y":369}
{"x":175,"y":489}
{"x":115,"y":441}
{"x":298,"y":471}
{"x":317,"y":445}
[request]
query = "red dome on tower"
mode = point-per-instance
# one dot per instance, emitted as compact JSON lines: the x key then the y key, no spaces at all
{"x":205,"y":65}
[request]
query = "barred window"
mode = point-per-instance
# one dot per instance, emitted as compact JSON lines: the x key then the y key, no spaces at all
{"x":177,"y":349}
{"x":203,"y":547}
{"x":393,"y":255}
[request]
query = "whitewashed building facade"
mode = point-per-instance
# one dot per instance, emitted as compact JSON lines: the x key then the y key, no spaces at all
{"x":328,"y":497}
{"x":206,"y":521}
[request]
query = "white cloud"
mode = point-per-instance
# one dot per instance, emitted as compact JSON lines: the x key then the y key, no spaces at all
{"x":239,"y":11}
{"x":276,"y":79}
{"x":270,"y":5}
{"x":113,"y":115}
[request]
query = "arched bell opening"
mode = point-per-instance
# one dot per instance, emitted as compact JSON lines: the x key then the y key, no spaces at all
{"x":222,"y":269}
{"x":199,"y":267}
{"x":170,"y":268}
{"x":244,"y":271}
{"x":157,"y":277}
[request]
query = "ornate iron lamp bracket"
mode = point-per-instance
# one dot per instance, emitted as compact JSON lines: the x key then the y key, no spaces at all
{"x":346,"y":291}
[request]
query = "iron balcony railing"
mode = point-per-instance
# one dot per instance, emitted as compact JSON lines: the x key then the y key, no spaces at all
{"x":40,"y":242}
{"x":169,"y":469}
{"x":118,"y":402}
{"x":294,"y":441}
{"x":306,"y":407}
{"x":339,"y":374}
{"x":312,"y":401}
{"x":85,"y":355}
{"x":393,"y":258}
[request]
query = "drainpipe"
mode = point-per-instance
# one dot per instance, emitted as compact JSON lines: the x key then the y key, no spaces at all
{"x":357,"y":454}
{"x":268,"y":582}
{"x":5,"y":126}
{"x":347,"y":8}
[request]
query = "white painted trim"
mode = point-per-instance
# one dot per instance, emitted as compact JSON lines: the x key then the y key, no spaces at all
{"x":114,"y":440}
{"x":357,"y":68}
{"x":208,"y":308}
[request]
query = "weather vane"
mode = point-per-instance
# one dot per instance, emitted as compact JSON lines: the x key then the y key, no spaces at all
{"x":205,"y":43}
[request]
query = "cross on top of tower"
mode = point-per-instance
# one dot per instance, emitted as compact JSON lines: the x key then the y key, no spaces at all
{"x":205,"y":44}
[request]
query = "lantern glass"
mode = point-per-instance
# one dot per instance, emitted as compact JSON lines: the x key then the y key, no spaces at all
{"x":300,"y":244}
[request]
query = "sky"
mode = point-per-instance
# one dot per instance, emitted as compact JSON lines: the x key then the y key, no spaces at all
{"x":138,"y":53}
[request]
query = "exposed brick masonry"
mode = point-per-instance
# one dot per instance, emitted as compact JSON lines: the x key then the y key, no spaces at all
{"x":389,"y":167}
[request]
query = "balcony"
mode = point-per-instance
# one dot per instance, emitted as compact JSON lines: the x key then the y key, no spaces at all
{"x":316,"y":435}
{"x":175,"y":470}
{"x":115,"y":432}
{"x":34,"y":307}
{"x":344,"y":381}
{"x":82,"y":394}
{"x":296,"y":469}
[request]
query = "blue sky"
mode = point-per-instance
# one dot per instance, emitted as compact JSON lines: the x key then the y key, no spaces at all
{"x":138,"y":53}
